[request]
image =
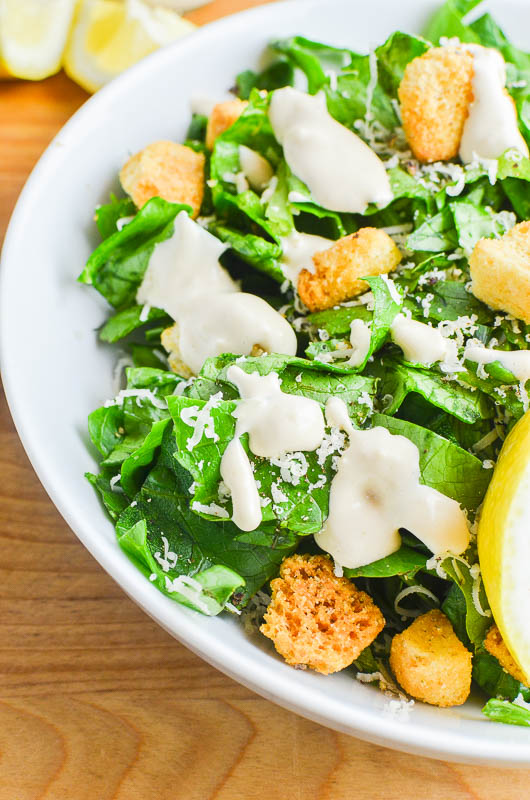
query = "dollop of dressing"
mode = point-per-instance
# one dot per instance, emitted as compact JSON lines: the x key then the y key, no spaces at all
{"x":277,"y":423}
{"x":256,"y":169}
{"x":360,"y":337}
{"x":491,"y":127}
{"x":185,"y":279}
{"x":182,"y":266}
{"x":420,"y":343}
{"x":515,"y":361}
{"x":340,"y":170}
{"x":232,"y":323}
{"x":376,"y":491}
{"x":298,"y":250}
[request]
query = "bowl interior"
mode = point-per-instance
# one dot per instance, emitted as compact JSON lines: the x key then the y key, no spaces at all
{"x":56,"y":372}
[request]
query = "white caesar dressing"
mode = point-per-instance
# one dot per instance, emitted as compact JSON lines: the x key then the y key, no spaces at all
{"x":182,"y":267}
{"x":376,"y":491}
{"x":255,"y":168}
{"x":298,"y":250}
{"x":232,"y":323}
{"x":277,"y":423}
{"x":360,"y":337}
{"x":491,"y":127}
{"x":185,"y":279}
{"x":420,"y":343}
{"x":515,"y":361}
{"x":340,"y":170}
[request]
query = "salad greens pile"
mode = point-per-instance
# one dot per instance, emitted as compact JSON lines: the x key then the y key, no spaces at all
{"x":166,"y":498}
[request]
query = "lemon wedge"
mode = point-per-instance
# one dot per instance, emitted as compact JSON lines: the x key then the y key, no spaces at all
{"x":108,"y":36}
{"x":33,"y":35}
{"x":504,"y":543}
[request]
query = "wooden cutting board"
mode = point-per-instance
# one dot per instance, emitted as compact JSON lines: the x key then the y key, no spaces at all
{"x":97,"y":701}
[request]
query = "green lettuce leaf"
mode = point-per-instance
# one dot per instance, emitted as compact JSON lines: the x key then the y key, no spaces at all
{"x":509,"y":713}
{"x":278,"y":74}
{"x":108,"y":215}
{"x":385,"y":310}
{"x":447,"y":21}
{"x":130,"y":319}
{"x":398,"y":379}
{"x":163,"y":506}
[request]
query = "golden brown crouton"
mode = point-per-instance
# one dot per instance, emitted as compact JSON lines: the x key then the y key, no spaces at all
{"x":435,"y":95}
{"x":316,"y":619}
{"x":338,"y":269}
{"x":500,"y":271}
{"x":168,"y":170}
{"x":222,"y":117}
{"x":430,"y":662}
{"x":170,"y":342}
{"x":494,"y":644}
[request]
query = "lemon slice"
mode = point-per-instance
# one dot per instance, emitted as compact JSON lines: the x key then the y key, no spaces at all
{"x":108,"y":36}
{"x":33,"y":34}
{"x":504,"y":543}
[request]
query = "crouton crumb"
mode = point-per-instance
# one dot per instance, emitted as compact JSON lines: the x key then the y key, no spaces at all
{"x":430,"y":662}
{"x":494,"y":644}
{"x":435,"y":95}
{"x":170,"y":342}
{"x":500,"y":271}
{"x":168,"y":170}
{"x":316,"y":619}
{"x":339,"y":269}
{"x":223,"y":117}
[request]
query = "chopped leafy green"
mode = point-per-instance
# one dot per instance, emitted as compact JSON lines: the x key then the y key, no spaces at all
{"x":108,"y":215}
{"x":129,"y":319}
{"x":447,"y":21}
{"x":509,"y":713}
{"x":397,"y":379}
{"x":196,"y":544}
{"x":385,"y":310}
{"x":436,"y":235}
{"x":394,"y":55}
{"x":279,"y":73}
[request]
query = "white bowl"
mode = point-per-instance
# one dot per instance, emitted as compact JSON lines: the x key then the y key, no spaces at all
{"x":55,"y":371}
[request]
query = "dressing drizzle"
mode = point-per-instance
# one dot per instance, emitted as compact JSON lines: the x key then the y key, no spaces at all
{"x":376,"y":491}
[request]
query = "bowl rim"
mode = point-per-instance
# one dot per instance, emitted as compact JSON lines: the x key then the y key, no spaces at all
{"x":260,"y":677}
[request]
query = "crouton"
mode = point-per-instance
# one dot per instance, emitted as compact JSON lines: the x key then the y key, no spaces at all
{"x":494,"y":644}
{"x":316,"y":619}
{"x":222,"y":117}
{"x":430,"y":662}
{"x":167,"y":170}
{"x":435,"y":95}
{"x":339,"y":268}
{"x":170,"y":342}
{"x":500,"y":271}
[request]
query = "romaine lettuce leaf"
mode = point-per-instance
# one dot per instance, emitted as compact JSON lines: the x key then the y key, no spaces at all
{"x":509,"y":713}
{"x":385,"y":310}
{"x":108,"y":215}
{"x":130,"y":319}
{"x":398,"y":379}
{"x":163,"y":505}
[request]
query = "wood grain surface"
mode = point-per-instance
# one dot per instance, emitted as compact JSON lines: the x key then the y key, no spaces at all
{"x":97,"y":701}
